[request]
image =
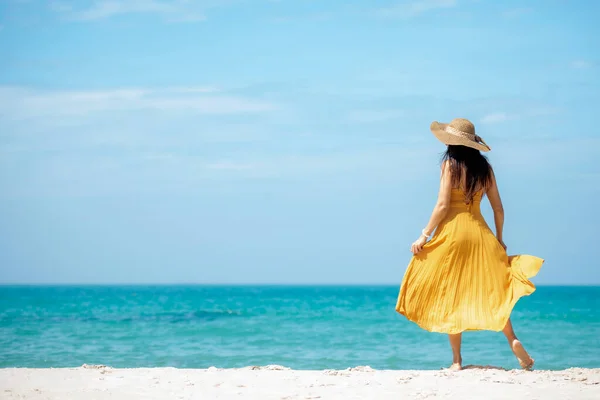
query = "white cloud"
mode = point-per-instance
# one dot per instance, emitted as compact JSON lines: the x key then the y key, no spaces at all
{"x":517,"y":12}
{"x":415,"y":8}
{"x":314,"y":17}
{"x":368,"y":116}
{"x":581,"y":64}
{"x":160,"y":156}
{"x":552,"y":156}
{"x":172,"y":10}
{"x":187,"y":18}
{"x":19,"y":103}
{"x":229,"y":165}
{"x":60,"y":6}
{"x":525,"y":113}
{"x":542,"y":111}
{"x":89,"y":173}
{"x":193,"y":89}
{"x":496,"y":118}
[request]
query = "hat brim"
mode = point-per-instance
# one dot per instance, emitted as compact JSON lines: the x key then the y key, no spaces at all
{"x":439,"y":131}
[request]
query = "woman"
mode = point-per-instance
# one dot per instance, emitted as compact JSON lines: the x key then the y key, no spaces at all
{"x":462,"y":279}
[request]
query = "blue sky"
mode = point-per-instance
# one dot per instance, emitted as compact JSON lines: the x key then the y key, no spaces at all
{"x":284,"y":141}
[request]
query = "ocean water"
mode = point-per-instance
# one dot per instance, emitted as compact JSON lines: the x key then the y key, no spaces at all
{"x":312,"y":327}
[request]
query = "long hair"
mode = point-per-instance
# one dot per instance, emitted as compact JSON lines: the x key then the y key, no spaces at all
{"x":470,"y":170}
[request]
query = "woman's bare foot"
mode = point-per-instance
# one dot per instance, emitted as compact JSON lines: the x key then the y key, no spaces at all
{"x":455,"y":367}
{"x":527,"y":366}
{"x":525,"y":361}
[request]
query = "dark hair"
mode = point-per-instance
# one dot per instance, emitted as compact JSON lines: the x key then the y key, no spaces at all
{"x":470,"y":170}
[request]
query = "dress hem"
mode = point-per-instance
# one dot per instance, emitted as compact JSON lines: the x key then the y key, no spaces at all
{"x":433,"y":329}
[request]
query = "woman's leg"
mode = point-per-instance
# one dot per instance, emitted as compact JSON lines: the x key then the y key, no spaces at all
{"x":455,"y":341}
{"x":517,"y":348}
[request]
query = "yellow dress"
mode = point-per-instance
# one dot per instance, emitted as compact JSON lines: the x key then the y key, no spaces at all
{"x":463,"y":279}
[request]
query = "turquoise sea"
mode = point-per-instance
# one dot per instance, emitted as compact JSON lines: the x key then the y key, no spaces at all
{"x":302,"y":327}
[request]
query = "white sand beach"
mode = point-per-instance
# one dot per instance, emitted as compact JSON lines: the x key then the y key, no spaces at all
{"x":275,"y":382}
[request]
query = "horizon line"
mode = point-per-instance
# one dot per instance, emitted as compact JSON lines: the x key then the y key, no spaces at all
{"x":255,"y":284}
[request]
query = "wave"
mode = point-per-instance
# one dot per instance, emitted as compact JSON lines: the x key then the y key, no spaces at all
{"x":168,"y":316}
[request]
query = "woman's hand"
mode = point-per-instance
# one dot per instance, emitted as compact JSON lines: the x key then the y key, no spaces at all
{"x":502,"y":244}
{"x":417,"y":246}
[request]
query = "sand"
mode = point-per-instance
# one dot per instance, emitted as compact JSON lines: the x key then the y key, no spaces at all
{"x":275,"y":382}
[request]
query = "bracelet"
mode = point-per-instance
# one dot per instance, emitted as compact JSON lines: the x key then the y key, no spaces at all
{"x":426,"y":235}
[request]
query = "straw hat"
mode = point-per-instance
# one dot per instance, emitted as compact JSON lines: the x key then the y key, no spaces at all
{"x":459,"y":131}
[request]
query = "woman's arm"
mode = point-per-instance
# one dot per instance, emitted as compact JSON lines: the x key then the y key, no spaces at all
{"x":494,"y":197}
{"x":439,"y":211}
